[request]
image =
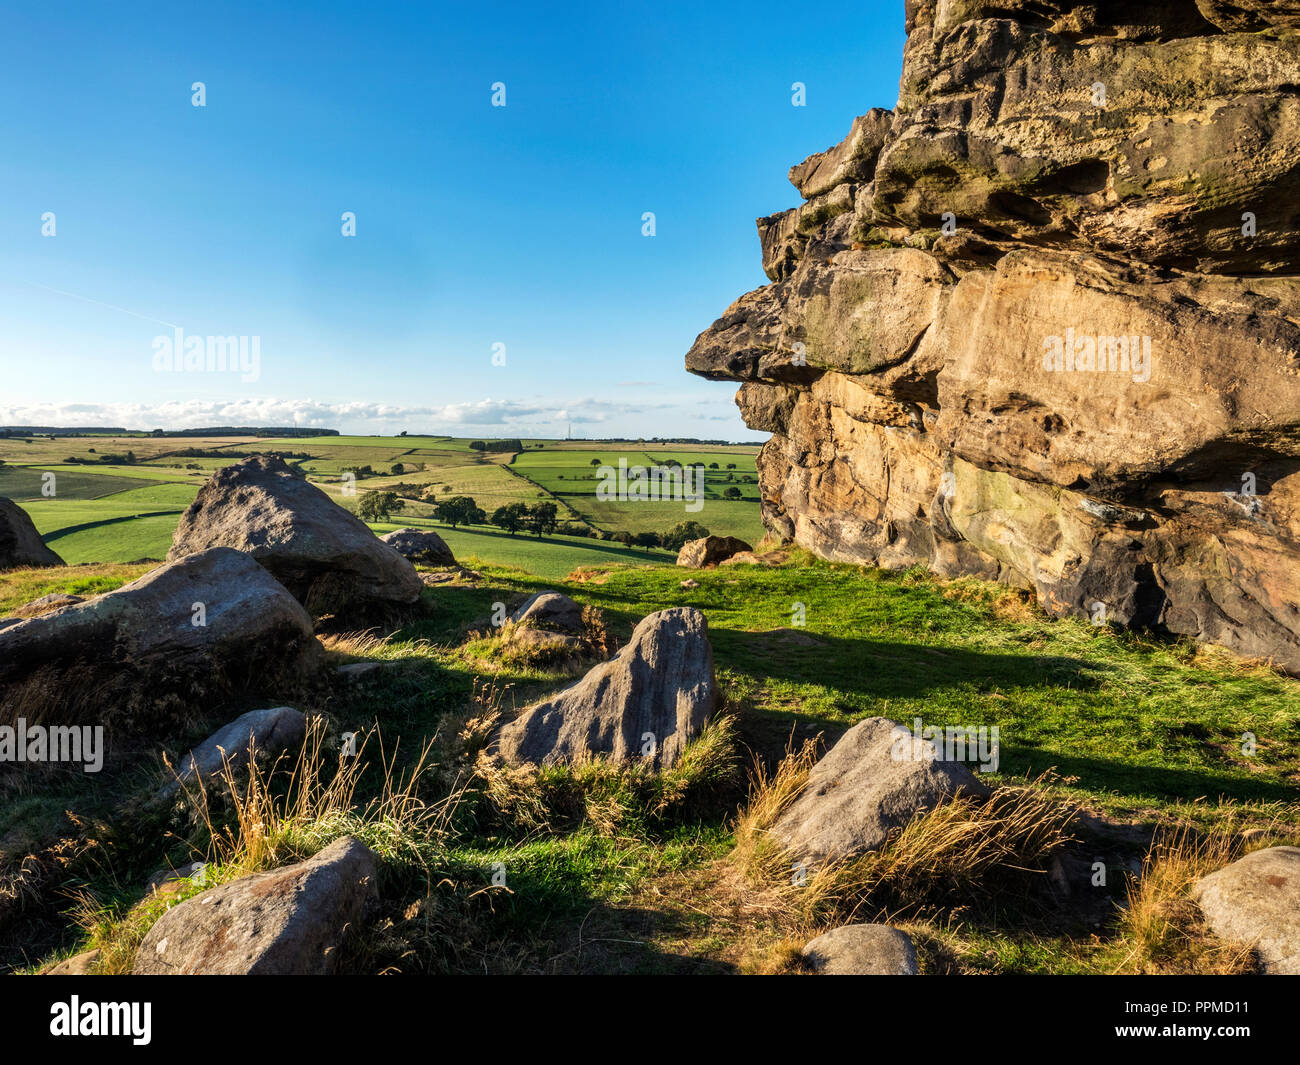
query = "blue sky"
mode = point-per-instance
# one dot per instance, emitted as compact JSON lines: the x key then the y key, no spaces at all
{"x":475,"y":225}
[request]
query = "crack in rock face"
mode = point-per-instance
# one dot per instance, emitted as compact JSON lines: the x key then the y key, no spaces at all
{"x":1041,"y":322}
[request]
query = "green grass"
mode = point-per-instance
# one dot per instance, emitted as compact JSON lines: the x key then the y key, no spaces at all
{"x":70,"y":483}
{"x":1145,"y":729}
{"x":551,"y":556}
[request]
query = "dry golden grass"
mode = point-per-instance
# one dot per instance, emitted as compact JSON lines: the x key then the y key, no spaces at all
{"x":952,"y":856}
{"x":264,"y":816}
{"x":1161,"y":929}
{"x":605,"y":796}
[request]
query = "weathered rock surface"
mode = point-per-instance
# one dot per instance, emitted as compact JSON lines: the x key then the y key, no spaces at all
{"x":20,"y":543}
{"x":876,"y":779}
{"x":82,"y":964}
{"x":862,"y":950}
{"x":286,"y":922}
{"x":550,"y":610}
{"x":659,"y":690}
{"x":326,"y":556}
{"x":139,"y":648}
{"x":1043,"y":324}
{"x":420,"y":545}
{"x":710,"y":551}
{"x":1256,"y":901}
{"x":258,"y":733}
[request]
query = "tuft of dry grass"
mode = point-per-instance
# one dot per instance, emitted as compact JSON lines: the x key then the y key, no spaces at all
{"x":948,"y":858}
{"x":608,"y":797}
{"x":260,"y":817}
{"x":1161,"y":929}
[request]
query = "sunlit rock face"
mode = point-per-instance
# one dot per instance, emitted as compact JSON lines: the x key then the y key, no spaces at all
{"x":1041,"y":323}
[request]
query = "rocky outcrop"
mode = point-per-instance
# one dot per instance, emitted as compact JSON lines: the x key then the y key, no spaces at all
{"x":288,"y":922}
{"x":326,"y":556}
{"x":20,"y":543}
{"x":1255,"y":901}
{"x":862,"y":950}
{"x":875,"y":780}
{"x":710,"y":551}
{"x":212,"y":624}
{"x":420,"y":545}
{"x":643,"y":706}
{"x":1041,"y":324}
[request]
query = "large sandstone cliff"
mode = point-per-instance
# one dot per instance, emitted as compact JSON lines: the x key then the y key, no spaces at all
{"x":1041,"y":323}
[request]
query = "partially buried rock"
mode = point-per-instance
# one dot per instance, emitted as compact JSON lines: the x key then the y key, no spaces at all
{"x":212,"y":624}
{"x":326,"y":556}
{"x":876,"y":779}
{"x":644,"y":705}
{"x":47,"y":604}
{"x":420,"y":545}
{"x":710,"y":551}
{"x":287,"y":922}
{"x":862,"y":950}
{"x":82,"y":964}
{"x":258,"y":733}
{"x":1256,"y":901}
{"x":20,"y":543}
{"x":550,"y":610}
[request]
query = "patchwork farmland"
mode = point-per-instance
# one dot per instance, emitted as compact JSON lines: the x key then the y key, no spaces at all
{"x":118,"y":498}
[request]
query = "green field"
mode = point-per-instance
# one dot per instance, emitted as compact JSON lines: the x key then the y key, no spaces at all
{"x":127,"y":510}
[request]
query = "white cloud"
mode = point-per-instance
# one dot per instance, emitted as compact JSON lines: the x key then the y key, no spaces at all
{"x":540,"y":417}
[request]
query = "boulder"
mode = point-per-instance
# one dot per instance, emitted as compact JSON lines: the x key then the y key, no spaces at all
{"x":875,"y":780}
{"x":286,"y":922}
{"x":326,"y":556}
{"x":258,"y":733}
{"x":550,"y":610}
{"x":20,"y":543}
{"x":1256,"y":901}
{"x":642,"y":706}
{"x":862,"y":950}
{"x":420,"y":545}
{"x":210,"y":625}
{"x":709,"y":551}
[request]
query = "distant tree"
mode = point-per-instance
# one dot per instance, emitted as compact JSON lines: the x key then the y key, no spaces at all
{"x":378,"y":506}
{"x":731,"y":493}
{"x":622,"y":537}
{"x":398,"y":468}
{"x":676,"y":538}
{"x":713,"y":465}
{"x":512,"y":517}
{"x":646,"y":540}
{"x":477,"y":445}
{"x":595,"y":462}
{"x":402,"y":433}
{"x":459,"y":510}
{"x":542,"y":519}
